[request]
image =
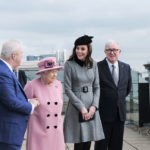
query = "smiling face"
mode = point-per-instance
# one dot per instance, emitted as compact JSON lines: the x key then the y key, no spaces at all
{"x":81,"y":52}
{"x":112,"y":52}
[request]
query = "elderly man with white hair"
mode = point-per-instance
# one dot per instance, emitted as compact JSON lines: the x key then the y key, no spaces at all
{"x":14,"y":106}
{"x":115,"y":85}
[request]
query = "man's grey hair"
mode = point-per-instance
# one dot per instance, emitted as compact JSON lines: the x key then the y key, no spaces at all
{"x":110,"y":42}
{"x":10,"y":47}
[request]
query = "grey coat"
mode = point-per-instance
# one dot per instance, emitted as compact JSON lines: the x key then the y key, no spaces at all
{"x":76,"y":77}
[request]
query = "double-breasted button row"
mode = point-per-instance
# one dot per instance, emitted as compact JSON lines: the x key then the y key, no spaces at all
{"x":56,"y":103}
{"x":48,"y":127}
{"x":48,"y":115}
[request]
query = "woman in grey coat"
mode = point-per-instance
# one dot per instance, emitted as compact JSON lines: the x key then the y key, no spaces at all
{"x":82,"y":122}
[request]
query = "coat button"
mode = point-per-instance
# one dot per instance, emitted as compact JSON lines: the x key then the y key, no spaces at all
{"x":48,"y":127}
{"x":56,"y":103}
{"x":56,"y":115}
{"x":55,"y":127}
{"x":48,"y":115}
{"x":48,"y":103}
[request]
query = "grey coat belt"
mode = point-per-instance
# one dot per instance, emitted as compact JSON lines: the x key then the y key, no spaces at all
{"x":83,"y":89}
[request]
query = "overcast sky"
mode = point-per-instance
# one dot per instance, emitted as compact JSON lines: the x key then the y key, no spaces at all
{"x":46,"y":25}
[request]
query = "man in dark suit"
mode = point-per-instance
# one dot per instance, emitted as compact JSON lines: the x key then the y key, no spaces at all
{"x":22,"y":77}
{"x":115,"y":85}
{"x":14,"y":106}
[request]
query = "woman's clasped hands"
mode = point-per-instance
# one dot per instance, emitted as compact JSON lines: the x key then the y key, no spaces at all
{"x":86,"y":115}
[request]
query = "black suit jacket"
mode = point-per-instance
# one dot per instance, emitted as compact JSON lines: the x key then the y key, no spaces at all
{"x":22,"y":78}
{"x":112,"y":98}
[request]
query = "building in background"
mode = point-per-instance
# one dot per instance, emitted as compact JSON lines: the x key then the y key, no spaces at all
{"x":59,"y":54}
{"x":32,"y":58}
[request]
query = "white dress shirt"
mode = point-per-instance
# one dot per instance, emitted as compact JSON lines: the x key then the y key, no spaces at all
{"x":116,"y":67}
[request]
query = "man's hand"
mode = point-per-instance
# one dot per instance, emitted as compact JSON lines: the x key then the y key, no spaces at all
{"x":35,"y":102}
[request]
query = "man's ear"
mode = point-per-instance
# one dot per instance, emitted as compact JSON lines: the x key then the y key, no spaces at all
{"x":13,"y":56}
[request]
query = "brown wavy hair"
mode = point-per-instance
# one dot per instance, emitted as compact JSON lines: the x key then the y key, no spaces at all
{"x":88,"y":59}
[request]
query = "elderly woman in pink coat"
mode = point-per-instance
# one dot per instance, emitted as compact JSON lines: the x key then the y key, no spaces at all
{"x":45,"y":127}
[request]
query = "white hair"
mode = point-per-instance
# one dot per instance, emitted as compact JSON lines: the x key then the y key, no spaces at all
{"x":111,"y":42}
{"x":10,"y":47}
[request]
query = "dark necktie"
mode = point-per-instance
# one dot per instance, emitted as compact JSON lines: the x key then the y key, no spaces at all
{"x":114,"y":75}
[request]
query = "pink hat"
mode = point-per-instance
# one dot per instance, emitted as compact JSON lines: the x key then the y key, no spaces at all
{"x":48,"y":63}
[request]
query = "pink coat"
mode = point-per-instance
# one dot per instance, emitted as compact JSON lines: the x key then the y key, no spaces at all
{"x":45,"y":127}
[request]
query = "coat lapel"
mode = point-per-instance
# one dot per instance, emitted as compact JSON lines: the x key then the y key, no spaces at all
{"x":121,"y":66}
{"x":20,"y":86}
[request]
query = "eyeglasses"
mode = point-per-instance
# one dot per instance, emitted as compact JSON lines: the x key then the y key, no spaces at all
{"x":112,"y":50}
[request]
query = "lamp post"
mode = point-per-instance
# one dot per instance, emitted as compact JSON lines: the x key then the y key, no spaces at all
{"x":147,"y":66}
